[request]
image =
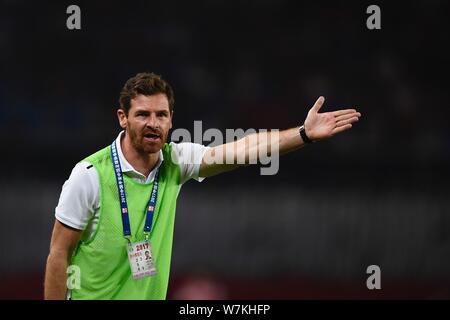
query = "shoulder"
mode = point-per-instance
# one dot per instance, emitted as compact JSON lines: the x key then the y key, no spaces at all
{"x":99,"y":156}
{"x":84,"y":175}
{"x":79,"y":196}
{"x":187,"y":152}
{"x":188,"y":156}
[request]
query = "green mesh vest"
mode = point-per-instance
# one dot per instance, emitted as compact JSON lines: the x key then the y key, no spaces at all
{"x":104,"y":268}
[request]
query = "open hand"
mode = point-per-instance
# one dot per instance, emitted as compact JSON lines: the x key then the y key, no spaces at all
{"x":320,"y":126}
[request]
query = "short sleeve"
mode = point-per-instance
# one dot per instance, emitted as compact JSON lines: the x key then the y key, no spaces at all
{"x":79,"y":197}
{"x":189,"y":157}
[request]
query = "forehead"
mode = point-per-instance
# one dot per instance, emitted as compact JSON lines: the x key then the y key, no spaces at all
{"x":156,"y":102}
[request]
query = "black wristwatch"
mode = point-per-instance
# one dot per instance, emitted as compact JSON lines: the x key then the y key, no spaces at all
{"x":305,"y":138}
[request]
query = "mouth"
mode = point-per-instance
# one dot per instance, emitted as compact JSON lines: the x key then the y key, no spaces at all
{"x":152,"y":137}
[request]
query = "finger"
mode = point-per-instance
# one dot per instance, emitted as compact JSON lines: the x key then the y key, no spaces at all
{"x":348,"y":116}
{"x":319,"y":103}
{"x":347,"y":121}
{"x":340,"y":129}
{"x":342,"y":112}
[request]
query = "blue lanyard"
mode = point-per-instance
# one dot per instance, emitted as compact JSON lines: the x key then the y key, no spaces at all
{"x":123,"y":199}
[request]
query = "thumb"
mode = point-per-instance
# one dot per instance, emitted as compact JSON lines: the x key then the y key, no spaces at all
{"x":319,"y":103}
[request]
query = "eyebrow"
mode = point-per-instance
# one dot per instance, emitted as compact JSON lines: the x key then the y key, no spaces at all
{"x":147,"y":112}
{"x":141,"y":111}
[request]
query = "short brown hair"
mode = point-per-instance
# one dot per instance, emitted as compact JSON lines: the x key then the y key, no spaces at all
{"x":147,"y":84}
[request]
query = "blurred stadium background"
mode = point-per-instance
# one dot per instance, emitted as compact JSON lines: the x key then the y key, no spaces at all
{"x":375,"y":195}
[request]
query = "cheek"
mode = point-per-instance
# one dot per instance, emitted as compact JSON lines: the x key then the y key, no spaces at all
{"x":167,"y":129}
{"x":135,"y":125}
{"x":168,"y":125}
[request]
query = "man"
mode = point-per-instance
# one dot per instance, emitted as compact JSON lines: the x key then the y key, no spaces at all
{"x":121,"y":200}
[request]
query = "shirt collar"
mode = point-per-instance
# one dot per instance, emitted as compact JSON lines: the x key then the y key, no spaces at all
{"x":127,"y":167}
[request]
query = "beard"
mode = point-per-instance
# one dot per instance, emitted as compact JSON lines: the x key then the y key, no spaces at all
{"x":147,"y":140}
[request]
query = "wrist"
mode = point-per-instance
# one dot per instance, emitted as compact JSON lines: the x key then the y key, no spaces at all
{"x":306,"y":139}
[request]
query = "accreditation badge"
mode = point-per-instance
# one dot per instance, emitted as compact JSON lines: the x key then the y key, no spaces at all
{"x":141,"y":260}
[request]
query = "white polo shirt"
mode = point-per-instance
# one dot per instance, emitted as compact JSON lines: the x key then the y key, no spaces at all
{"x":79,"y":202}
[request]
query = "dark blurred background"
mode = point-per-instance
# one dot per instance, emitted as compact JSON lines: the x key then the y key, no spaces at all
{"x":377,"y":194}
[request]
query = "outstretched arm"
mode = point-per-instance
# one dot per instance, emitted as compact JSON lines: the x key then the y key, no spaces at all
{"x":318,"y":126}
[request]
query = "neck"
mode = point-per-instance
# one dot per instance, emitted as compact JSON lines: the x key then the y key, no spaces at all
{"x":141,"y":161}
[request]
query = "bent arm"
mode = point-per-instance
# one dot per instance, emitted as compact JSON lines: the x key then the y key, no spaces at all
{"x":64,"y":241}
{"x":252,"y":148}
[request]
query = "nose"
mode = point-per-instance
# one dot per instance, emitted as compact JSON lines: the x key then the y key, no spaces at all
{"x":152,"y":121}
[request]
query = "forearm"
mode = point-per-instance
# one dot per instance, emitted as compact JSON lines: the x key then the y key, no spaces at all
{"x":290,"y":140}
{"x":55,"y":286}
{"x":265,"y":144}
{"x":252,"y":149}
